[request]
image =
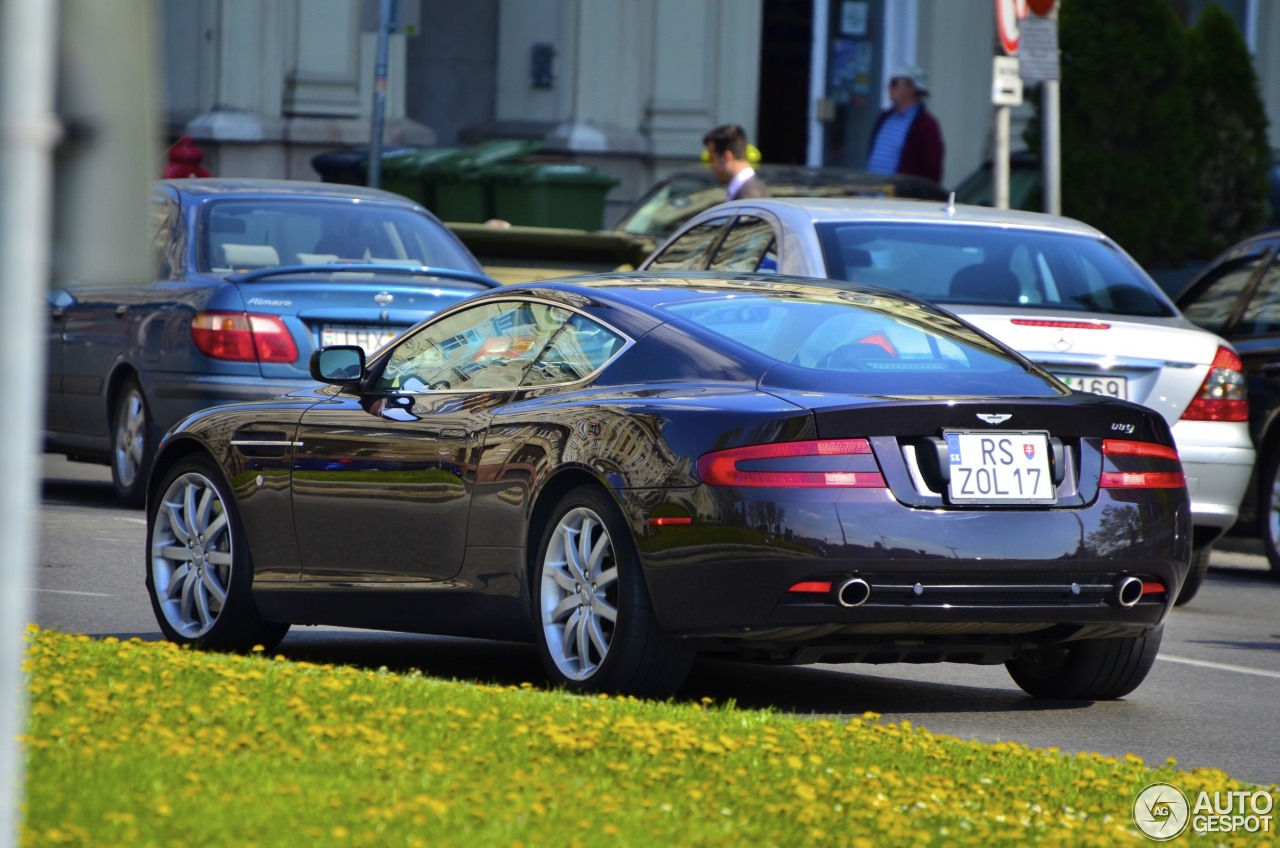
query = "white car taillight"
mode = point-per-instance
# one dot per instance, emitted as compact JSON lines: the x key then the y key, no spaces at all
{"x":1222,"y":396}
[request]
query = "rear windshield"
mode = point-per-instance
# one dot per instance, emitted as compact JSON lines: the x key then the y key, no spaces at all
{"x":992,"y":266}
{"x":865,"y":344}
{"x":239,"y":235}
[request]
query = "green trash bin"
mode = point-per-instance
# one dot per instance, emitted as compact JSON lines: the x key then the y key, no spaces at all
{"x":463,"y":190}
{"x":551,"y":194}
{"x":408,"y":172}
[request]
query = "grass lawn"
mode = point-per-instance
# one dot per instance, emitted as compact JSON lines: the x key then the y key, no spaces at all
{"x":142,"y":743}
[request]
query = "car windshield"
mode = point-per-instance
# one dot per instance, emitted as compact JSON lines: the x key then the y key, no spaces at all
{"x":240,"y":235}
{"x":995,"y":266}
{"x":864,"y":343}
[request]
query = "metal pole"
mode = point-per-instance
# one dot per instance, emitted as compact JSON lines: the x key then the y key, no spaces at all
{"x":386,"y":23}
{"x":28,"y":132}
{"x":1051,"y":145}
{"x":1000,"y":161}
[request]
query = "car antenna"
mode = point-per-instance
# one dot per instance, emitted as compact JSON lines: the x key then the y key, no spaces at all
{"x":951,"y":205}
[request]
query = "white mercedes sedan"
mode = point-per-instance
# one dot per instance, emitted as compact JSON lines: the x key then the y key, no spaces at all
{"x":1059,"y":291}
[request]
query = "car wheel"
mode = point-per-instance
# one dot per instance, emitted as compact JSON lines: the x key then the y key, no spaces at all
{"x":1195,"y":574}
{"x":132,"y":445}
{"x":1091,"y":669}
{"x":1269,"y":504}
{"x":199,"y":572}
{"x":596,"y":628}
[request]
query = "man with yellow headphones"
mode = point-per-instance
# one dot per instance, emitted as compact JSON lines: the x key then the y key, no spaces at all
{"x":727,"y":155}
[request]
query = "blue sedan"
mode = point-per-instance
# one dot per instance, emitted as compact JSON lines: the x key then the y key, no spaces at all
{"x":251,"y":276}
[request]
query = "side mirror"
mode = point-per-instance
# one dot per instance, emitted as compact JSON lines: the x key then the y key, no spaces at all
{"x":341,"y":365}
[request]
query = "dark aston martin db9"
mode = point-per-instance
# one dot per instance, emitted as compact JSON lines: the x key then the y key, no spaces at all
{"x":629,"y":469}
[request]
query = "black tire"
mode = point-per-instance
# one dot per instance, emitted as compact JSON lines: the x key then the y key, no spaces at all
{"x":1195,"y":574}
{"x":133,"y":445}
{"x":599,"y":634}
{"x":199,"y":573}
{"x":1268,"y":508}
{"x":1090,"y":670}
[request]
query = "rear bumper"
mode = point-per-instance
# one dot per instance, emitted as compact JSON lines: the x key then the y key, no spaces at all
{"x":940,"y":580}
{"x":1218,"y":460}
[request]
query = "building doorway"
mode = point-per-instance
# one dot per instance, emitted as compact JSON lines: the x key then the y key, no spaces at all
{"x":786,"y":44}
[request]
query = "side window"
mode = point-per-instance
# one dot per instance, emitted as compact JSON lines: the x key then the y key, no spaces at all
{"x":486,"y":347}
{"x":1213,"y":301}
{"x":744,"y":247}
{"x":1262,"y":313}
{"x":580,"y":349}
{"x":689,"y":251}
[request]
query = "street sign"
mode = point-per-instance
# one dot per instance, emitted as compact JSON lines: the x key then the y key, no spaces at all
{"x":1008,"y":14}
{"x":1006,"y":82}
{"x":1038,"y":49}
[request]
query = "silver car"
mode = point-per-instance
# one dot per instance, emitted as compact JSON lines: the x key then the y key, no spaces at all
{"x":1059,"y":291}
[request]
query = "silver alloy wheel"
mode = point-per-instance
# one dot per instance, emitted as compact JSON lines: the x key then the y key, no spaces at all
{"x":131,"y":434}
{"x":579,"y":594}
{"x":191,"y":555}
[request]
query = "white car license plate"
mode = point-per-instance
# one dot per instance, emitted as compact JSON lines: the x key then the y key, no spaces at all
{"x":369,"y":338}
{"x":1099,"y":384}
{"x":1000,"y":467}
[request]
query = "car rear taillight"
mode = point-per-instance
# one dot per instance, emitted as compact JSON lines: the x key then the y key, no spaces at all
{"x":1222,"y":396}
{"x":1142,"y":478}
{"x":828,"y":463}
{"x":242,"y":337}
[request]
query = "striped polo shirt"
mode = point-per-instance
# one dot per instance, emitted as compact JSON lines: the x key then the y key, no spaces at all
{"x":887,"y":151}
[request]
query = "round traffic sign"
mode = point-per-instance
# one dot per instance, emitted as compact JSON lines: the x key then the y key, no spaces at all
{"x":1041,"y":7}
{"x":1007,"y":14}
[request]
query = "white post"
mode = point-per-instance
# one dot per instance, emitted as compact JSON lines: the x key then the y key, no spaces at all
{"x":1000,"y":161}
{"x":28,"y":132}
{"x":1051,"y":146}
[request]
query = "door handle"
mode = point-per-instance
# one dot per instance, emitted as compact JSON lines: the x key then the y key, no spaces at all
{"x":121,"y":310}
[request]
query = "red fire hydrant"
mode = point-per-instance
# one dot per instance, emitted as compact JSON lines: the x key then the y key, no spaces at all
{"x":184,"y":160}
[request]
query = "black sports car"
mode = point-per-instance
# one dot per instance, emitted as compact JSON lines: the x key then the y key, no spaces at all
{"x":628,"y":469}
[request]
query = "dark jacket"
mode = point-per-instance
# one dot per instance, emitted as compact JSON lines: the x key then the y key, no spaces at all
{"x":923,"y":150}
{"x":753,"y":187}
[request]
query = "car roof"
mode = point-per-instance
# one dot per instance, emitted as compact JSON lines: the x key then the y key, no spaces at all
{"x":888,"y":210}
{"x":653,"y":287}
{"x":202,"y":188}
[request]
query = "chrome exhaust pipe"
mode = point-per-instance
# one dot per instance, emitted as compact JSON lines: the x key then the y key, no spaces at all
{"x":1128,"y":592}
{"x":853,"y":592}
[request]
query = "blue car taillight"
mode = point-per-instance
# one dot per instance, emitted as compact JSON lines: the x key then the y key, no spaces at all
{"x":243,"y":337}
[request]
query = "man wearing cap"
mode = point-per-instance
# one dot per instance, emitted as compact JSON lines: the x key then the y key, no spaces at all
{"x":907,"y":138}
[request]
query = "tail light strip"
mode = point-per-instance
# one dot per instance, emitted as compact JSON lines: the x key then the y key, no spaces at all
{"x":774,"y":465}
{"x":1141,"y":479}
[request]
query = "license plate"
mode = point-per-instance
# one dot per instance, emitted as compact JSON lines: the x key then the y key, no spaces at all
{"x":1116,"y":387}
{"x":369,"y":338}
{"x":1002,"y":467}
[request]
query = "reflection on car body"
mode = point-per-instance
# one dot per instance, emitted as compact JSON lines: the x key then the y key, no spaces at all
{"x":695,"y":482}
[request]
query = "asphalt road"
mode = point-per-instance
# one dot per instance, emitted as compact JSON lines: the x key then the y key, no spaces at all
{"x":1211,"y":701}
